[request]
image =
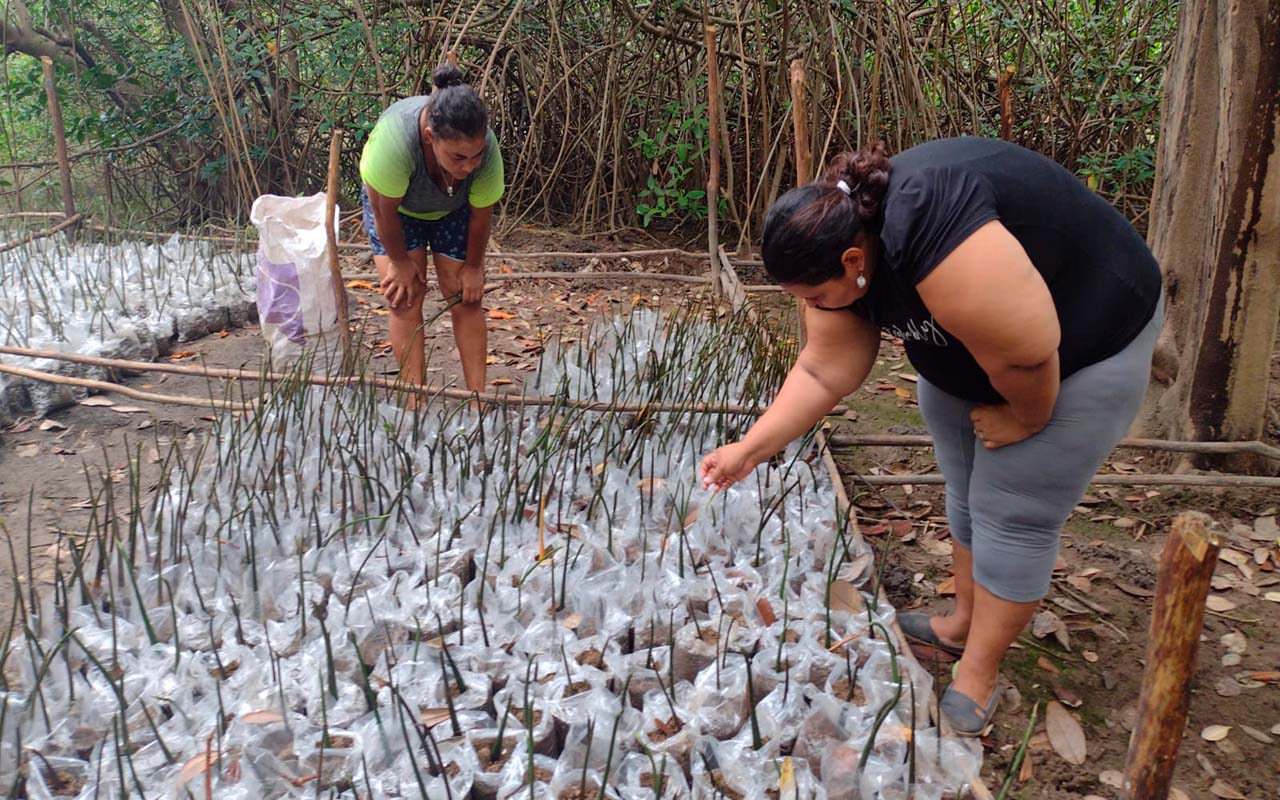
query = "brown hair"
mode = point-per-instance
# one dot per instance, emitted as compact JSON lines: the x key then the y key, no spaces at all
{"x":808,"y":229}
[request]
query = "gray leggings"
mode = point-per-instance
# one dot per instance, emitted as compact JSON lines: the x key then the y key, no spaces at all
{"x":1008,"y":505}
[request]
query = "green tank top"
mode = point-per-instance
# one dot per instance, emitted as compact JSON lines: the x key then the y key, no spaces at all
{"x":393,"y":164}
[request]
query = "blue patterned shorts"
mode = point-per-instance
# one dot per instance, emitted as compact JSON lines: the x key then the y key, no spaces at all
{"x":446,"y":236}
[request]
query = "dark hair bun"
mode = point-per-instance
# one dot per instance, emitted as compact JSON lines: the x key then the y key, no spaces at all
{"x":867,"y":173}
{"x":447,"y":75}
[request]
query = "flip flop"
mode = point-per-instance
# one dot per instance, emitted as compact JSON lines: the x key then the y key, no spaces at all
{"x":965,"y":716}
{"x":917,"y":628}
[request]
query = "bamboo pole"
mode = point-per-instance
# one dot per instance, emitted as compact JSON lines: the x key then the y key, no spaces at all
{"x":603,"y":255}
{"x":335,"y":271}
{"x":382,"y":383}
{"x":713,"y":173}
{"x":1231,"y":481}
{"x":1177,"y":617}
{"x":31,"y":237}
{"x":1258,"y":448}
{"x":59,"y":138}
{"x":586,"y":277}
{"x":127,"y":391}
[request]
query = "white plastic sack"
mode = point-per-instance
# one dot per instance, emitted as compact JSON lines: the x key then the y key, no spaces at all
{"x":296,"y":302}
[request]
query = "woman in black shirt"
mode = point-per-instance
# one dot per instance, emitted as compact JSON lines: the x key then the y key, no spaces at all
{"x":1028,"y":305}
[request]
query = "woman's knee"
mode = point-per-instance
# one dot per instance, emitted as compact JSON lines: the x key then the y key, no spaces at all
{"x":1015,"y":563}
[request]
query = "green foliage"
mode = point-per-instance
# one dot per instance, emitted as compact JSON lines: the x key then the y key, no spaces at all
{"x":679,"y":141}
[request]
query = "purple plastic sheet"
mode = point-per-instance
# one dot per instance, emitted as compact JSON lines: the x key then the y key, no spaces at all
{"x":279,"y":299}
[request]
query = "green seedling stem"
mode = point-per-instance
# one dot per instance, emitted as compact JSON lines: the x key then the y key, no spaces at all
{"x":887,"y":707}
{"x":1015,"y":766}
{"x":756,"y":741}
{"x":495,"y":752}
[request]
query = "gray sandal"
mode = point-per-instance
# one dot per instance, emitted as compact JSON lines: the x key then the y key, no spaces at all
{"x":964,"y":715}
{"x":917,"y":628}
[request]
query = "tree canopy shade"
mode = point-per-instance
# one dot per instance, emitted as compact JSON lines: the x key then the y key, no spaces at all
{"x":600,"y":103}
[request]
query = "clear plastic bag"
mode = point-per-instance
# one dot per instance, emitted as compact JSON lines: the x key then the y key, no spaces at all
{"x":297,"y":305}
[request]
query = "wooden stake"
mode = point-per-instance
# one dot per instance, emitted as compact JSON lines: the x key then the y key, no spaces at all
{"x":804,"y":158}
{"x":800,"y":124}
{"x":1004,"y":88}
{"x":1177,"y":616}
{"x":335,"y":271}
{"x":713,"y":173}
{"x":59,"y":138}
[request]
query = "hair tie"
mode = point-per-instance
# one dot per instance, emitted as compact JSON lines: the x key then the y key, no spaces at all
{"x":844,"y":187}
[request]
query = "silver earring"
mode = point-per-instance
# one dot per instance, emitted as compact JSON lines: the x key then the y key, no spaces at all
{"x":861,"y":282}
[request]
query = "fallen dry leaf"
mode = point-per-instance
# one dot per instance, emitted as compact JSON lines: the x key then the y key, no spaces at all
{"x":766,"y":611}
{"x":1272,"y":596}
{"x":1047,"y":665}
{"x":1177,"y":794}
{"x":1090,"y":656}
{"x":1027,"y":771}
{"x":1080,"y":583}
{"x":1134,"y":591}
{"x":1046,"y":623}
{"x":52,"y":425}
{"x":1235,"y":642}
{"x":1112,"y":777}
{"x":947,"y":587}
{"x":1267,"y":676}
{"x":183,"y":355}
{"x":1265,"y":529}
{"x":1216,"y":602}
{"x":366,"y":285}
{"x":497,"y":313}
{"x":261,"y":717}
{"x":845,"y":597}
{"x":27,"y":450}
{"x":96,"y":401}
{"x":1215,"y":733}
{"x":1226,"y":791}
{"x":1227,"y":686}
{"x":1068,"y":697}
{"x":500,"y":382}
{"x":1256,"y":735}
{"x":198,"y":765}
{"x":1065,"y":734}
{"x":1124,"y":522}
{"x":433,"y":716}
{"x":1233,"y":557}
{"x":572,"y":621}
{"x":651,"y":485}
{"x":128,"y":410}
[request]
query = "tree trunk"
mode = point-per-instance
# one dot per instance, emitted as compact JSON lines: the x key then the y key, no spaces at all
{"x":1215,"y":225}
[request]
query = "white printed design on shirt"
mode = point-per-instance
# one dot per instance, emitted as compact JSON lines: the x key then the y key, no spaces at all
{"x":923,"y":331}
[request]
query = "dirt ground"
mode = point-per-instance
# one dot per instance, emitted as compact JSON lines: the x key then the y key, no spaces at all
{"x":1101,"y":593}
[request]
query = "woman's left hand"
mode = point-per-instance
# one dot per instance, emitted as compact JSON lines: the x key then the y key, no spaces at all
{"x":996,"y":426}
{"x":472,"y":283}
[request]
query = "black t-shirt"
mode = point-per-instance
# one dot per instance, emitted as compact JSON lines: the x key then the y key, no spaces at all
{"x":1104,"y":281}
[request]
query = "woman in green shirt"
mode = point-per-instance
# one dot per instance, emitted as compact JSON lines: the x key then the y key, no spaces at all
{"x":432,"y":173}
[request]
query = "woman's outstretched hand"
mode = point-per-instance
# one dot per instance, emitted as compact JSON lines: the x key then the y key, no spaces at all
{"x":725,"y":466}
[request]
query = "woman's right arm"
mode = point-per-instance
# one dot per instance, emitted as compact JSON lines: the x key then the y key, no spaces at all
{"x":400,"y":281}
{"x":836,"y":359}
